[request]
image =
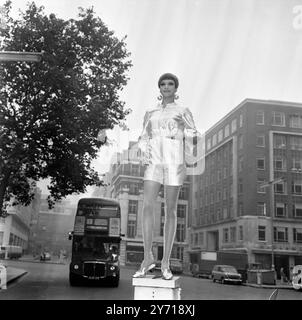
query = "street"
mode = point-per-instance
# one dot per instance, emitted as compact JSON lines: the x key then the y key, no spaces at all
{"x":46,"y":281}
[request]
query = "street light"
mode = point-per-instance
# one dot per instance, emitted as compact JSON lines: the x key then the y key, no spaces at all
{"x":271,"y":184}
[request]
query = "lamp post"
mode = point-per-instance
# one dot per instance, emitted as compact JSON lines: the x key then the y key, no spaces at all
{"x":271,"y":185}
{"x":15,"y":56}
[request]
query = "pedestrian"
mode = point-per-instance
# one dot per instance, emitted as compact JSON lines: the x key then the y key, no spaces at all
{"x":291,"y":274}
{"x":163,"y":151}
{"x":283,"y":276}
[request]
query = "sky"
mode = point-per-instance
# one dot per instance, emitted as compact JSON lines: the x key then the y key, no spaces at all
{"x":223,"y":51}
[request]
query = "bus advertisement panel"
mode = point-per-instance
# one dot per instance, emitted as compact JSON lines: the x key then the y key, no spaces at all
{"x":96,"y":241}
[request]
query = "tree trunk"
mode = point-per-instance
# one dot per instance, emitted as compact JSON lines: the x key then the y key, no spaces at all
{"x":3,"y":186}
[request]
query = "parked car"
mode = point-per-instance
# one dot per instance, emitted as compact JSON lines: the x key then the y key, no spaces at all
{"x":175,"y":265}
{"x":45,"y":256}
{"x":297,"y":277}
{"x":226,"y":273}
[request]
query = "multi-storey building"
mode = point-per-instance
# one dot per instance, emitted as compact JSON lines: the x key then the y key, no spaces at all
{"x":235,"y":204}
{"x":15,"y":228}
{"x":127,"y":187}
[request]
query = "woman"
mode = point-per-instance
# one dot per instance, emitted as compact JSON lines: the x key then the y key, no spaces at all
{"x":162,"y":148}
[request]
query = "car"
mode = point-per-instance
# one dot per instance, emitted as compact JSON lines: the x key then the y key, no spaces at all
{"x":45,"y":256}
{"x":175,"y":265}
{"x":297,"y":277}
{"x":226,"y":273}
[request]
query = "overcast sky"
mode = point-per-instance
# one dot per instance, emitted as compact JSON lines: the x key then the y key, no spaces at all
{"x":223,"y":51}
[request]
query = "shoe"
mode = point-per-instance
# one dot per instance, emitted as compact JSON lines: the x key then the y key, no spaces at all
{"x":143,"y":270}
{"x":166,"y":274}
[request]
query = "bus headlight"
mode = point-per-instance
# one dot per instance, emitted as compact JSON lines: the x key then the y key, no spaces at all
{"x":112,"y":268}
{"x":76,"y":267}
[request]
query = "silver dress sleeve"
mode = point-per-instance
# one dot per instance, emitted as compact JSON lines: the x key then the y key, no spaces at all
{"x":144,"y":136}
{"x":188,"y":121}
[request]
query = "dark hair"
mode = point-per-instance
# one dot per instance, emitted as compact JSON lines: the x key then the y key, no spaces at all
{"x":168,"y":76}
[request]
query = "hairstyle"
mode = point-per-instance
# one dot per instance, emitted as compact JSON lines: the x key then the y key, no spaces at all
{"x":168,"y":76}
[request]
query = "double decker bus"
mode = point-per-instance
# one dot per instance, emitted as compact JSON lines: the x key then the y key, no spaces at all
{"x":96,"y":242}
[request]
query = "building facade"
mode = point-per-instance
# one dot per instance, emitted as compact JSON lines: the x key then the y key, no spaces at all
{"x":126,"y":186}
{"x":249,"y":197}
{"x":15,"y":228}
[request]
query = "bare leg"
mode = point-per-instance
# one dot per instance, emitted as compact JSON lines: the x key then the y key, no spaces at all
{"x":151,"y":189}
{"x":171,"y":195}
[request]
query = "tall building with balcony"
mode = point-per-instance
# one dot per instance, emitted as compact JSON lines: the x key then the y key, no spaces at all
{"x":127,"y":187}
{"x":235,"y":205}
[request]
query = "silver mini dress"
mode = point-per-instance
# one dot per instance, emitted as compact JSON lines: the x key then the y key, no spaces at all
{"x":162,"y":143}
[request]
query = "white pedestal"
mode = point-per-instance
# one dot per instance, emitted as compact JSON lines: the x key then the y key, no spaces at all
{"x":152,"y":288}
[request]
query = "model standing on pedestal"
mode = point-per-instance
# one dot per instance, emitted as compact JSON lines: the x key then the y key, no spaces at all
{"x":162,"y":147}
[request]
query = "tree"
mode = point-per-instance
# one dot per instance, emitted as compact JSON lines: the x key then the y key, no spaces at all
{"x":51,"y":112}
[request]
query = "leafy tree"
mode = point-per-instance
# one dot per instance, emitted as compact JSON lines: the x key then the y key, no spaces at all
{"x":51,"y":112}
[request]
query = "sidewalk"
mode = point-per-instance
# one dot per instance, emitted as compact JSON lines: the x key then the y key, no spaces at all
{"x":278,"y":285}
{"x":12,"y":273}
{"x":30,"y":258}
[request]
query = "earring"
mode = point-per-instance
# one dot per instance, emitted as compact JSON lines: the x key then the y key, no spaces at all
{"x":176,"y":96}
{"x":160,"y":97}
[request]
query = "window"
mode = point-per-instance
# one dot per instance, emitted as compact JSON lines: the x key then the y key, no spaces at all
{"x":260,"y":117}
{"x":201,"y":238}
{"x":279,"y":119}
{"x":226,"y":130}
{"x":281,"y":209}
{"x":260,"y":141}
{"x":261,"y":233}
{"x":240,"y":209}
{"x":295,"y":121}
{"x":233,"y":234}
{"x":279,"y":187}
{"x":297,"y":187}
{"x":135,"y":169}
{"x":240,"y":163}
{"x":297,"y":210}
{"x":240,"y":120}
{"x":180,"y":232}
{"x":208,"y":144}
{"x":296,"y":143}
{"x":240,"y":141}
{"x":224,"y":193}
{"x":133,"y":189}
{"x":132,"y":207}
{"x":260,"y":189}
{"x":234,"y":125}
{"x":261,"y":209}
{"x":260,"y":163}
{"x":279,"y":164}
{"x":240,"y":187}
{"x":225,"y":213}
{"x":240,"y":233}
{"x":132,"y":218}
{"x":220,"y":135}
{"x":279,"y":141}
{"x":214,"y":140}
{"x":225,"y":235}
{"x":280,"y":234}
{"x":181,"y":211}
{"x":297,"y":163}
{"x":297,"y":233}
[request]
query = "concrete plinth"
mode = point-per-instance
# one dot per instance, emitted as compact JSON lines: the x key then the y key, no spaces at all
{"x":155,"y":288}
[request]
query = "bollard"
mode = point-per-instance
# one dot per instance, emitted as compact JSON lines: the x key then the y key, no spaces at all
{"x":3,"y":277}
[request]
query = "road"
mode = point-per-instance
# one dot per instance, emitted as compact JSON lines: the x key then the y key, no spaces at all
{"x":45,"y":281}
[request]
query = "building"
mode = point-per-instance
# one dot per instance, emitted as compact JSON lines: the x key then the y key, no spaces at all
{"x":15,"y":228}
{"x":49,"y":231}
{"x":127,"y":187}
{"x":232,"y":203}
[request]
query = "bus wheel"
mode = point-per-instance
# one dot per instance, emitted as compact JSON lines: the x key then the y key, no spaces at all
{"x":115,"y":281}
{"x":74,"y":280}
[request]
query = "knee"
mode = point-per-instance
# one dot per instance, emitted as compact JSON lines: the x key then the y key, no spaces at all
{"x":171,"y":212}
